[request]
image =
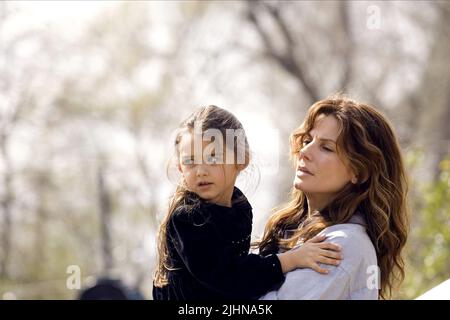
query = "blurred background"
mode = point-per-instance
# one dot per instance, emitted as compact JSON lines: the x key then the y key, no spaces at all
{"x":91,"y":92}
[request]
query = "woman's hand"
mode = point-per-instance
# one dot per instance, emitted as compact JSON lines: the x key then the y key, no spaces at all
{"x":310,"y":254}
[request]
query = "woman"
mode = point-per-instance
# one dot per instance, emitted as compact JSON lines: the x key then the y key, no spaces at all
{"x":350,"y":185}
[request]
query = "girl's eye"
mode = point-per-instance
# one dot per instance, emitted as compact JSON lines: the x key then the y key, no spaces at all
{"x":306,"y":141}
{"x":212,"y":160}
{"x":188,"y":162}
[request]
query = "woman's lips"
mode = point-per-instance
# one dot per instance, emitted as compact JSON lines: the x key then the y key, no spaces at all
{"x":303,"y":171}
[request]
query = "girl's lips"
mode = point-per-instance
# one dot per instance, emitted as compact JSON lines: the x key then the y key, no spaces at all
{"x":204,"y":184}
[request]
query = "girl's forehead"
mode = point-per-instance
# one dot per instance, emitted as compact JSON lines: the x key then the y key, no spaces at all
{"x":189,"y":141}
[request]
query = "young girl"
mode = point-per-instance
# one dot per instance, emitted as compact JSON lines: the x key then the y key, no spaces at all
{"x":204,"y":240}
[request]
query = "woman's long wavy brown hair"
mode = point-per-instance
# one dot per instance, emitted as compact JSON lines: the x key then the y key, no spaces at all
{"x":370,"y":148}
{"x":209,"y":117}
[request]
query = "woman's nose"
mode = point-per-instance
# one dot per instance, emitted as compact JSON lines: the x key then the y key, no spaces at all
{"x":305,"y":152}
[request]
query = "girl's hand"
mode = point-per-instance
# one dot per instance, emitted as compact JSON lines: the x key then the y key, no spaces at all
{"x":315,"y":251}
{"x":310,"y":254}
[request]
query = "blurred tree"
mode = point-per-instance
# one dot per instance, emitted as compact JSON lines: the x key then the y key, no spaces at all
{"x":105,"y":208}
{"x":428,"y":257}
{"x":430,"y":109}
{"x":16,"y":98}
{"x":287,"y":48}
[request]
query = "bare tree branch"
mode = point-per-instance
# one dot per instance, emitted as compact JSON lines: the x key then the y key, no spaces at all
{"x":286,"y":59}
{"x":105,"y":208}
{"x":348,"y":47}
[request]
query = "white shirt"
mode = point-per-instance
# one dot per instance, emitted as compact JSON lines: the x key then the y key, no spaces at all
{"x":356,"y":277}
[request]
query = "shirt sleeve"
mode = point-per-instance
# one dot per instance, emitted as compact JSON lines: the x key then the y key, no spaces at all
{"x":307,"y":284}
{"x":209,"y":259}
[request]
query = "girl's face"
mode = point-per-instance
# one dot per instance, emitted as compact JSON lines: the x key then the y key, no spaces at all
{"x":321,"y":173}
{"x":210,"y":181}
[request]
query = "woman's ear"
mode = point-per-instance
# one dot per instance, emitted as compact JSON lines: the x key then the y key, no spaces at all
{"x":353,"y":178}
{"x":359,"y":178}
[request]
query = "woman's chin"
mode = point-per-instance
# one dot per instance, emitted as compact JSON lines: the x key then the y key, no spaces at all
{"x":299,"y":184}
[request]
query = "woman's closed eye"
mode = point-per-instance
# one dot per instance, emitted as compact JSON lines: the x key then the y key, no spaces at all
{"x":327,"y":148}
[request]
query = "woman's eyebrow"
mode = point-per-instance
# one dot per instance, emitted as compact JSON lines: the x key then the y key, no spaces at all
{"x":321,"y":139}
{"x":327,"y":140}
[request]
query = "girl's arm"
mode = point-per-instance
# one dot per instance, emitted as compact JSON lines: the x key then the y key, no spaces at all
{"x":310,"y":254}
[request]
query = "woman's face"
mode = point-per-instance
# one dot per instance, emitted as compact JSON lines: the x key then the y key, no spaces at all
{"x":321,"y":173}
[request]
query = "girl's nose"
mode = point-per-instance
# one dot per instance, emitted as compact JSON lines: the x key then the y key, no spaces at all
{"x":201,"y":170}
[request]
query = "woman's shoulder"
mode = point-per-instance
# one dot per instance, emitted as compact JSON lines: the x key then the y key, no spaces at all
{"x":354,"y":240}
{"x":358,"y":250}
{"x":350,"y":234}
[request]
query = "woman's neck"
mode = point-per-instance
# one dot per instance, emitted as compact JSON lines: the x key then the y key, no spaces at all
{"x":317,"y":202}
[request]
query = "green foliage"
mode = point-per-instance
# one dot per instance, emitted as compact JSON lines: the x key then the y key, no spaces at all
{"x":428,"y":248}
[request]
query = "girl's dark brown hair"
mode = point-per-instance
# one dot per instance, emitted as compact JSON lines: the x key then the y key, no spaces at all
{"x":369,"y":146}
{"x":209,"y":117}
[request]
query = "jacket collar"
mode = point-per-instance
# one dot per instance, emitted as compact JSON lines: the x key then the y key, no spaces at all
{"x":238,"y":202}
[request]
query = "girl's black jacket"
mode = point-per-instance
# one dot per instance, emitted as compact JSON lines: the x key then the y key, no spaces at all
{"x":209,"y":250}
